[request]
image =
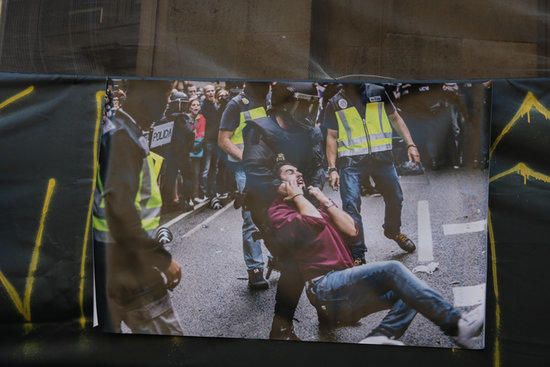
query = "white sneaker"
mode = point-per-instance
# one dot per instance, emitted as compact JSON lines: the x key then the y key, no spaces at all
{"x":381,"y":340}
{"x":200,"y":200}
{"x":470,"y":327}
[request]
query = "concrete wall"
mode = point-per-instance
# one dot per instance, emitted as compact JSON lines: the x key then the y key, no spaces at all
{"x":241,"y":38}
{"x":278,"y":39}
{"x":427,"y":38}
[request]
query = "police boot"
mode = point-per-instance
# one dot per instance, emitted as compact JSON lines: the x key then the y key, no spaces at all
{"x":403,"y":241}
{"x":282,"y":329}
{"x":256,"y":279}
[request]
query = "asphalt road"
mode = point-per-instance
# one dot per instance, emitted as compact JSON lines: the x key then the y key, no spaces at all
{"x":213,"y":298}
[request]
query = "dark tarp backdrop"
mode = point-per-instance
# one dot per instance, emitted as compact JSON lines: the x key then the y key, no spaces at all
{"x":47,"y":135}
{"x":47,"y":129}
{"x":519,"y":202}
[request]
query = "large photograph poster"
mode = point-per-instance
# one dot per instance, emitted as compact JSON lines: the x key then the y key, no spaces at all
{"x":351,"y":212}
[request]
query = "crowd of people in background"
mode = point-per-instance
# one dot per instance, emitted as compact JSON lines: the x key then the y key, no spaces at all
{"x":445,"y":118}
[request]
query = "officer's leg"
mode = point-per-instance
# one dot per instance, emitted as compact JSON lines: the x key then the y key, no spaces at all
{"x":186,"y":189}
{"x":350,"y":193}
{"x":157,"y":317}
{"x":105,"y":315}
{"x":387,"y":182}
{"x":252,"y":250}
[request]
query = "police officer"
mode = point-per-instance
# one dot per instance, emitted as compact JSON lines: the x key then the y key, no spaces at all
{"x":176,"y":155}
{"x":249,"y":105}
{"x":129,"y":255}
{"x":423,"y":106}
{"x":359,"y":120}
{"x":289,"y":133}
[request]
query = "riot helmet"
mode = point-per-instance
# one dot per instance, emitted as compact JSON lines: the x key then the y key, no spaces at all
{"x":177,"y":103}
{"x":234,"y":88}
{"x":257,"y":90}
{"x":146,"y":101}
{"x":298,"y":100}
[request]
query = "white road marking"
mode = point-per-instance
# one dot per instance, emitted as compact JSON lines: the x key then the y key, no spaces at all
{"x":208,"y":220}
{"x":469,"y":296}
{"x":459,"y":228}
{"x":419,"y":180}
{"x":425,"y":244}
{"x":181,"y":216}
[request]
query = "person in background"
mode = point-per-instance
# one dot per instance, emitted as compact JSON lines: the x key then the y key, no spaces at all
{"x":226,"y":180}
{"x":191,"y":90}
{"x":177,"y":161}
{"x":212,"y":111}
{"x":178,"y":86}
{"x":222,"y":96}
{"x":197,"y":153}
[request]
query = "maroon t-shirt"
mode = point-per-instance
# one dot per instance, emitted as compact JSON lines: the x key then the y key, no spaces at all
{"x":320,"y":246}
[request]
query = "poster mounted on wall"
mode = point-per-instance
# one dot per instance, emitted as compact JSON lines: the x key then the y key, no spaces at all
{"x":352,"y":212}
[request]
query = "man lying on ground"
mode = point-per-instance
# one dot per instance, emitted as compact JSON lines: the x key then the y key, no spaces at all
{"x":342,"y":293}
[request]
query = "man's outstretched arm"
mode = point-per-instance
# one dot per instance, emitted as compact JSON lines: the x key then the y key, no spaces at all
{"x":342,"y":220}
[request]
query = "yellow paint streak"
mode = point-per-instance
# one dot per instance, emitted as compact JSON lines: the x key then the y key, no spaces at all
{"x":527,"y":105}
{"x":37,"y":245}
{"x":523,"y":170}
{"x":496,"y":353}
{"x":13,"y":295}
{"x":17,"y":97}
{"x":24,"y":306}
{"x":99,"y":109}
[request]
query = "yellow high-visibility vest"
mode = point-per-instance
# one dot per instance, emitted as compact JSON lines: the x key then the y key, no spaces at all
{"x":357,"y":135}
{"x":245,"y":115}
{"x":148,"y":200}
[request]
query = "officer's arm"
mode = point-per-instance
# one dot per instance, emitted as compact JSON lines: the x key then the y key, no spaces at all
{"x":332,"y":135}
{"x":228,"y":124}
{"x":121,"y":186}
{"x":225,"y":143}
{"x":399,"y":125}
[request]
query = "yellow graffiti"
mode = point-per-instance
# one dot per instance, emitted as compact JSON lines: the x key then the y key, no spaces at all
{"x":523,"y":170}
{"x":99,"y":104}
{"x":17,"y":97}
{"x":496,"y":355}
{"x":24,"y":306}
{"x":527,"y":105}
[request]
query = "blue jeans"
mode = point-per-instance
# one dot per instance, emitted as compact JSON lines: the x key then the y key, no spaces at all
{"x":353,"y":293}
{"x":380,"y":167}
{"x":209,"y":172}
{"x":252,"y":250}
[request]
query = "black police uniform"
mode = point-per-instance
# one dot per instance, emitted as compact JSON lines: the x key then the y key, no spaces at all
{"x":176,"y":157}
{"x":264,"y":142}
{"x":125,"y":270}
